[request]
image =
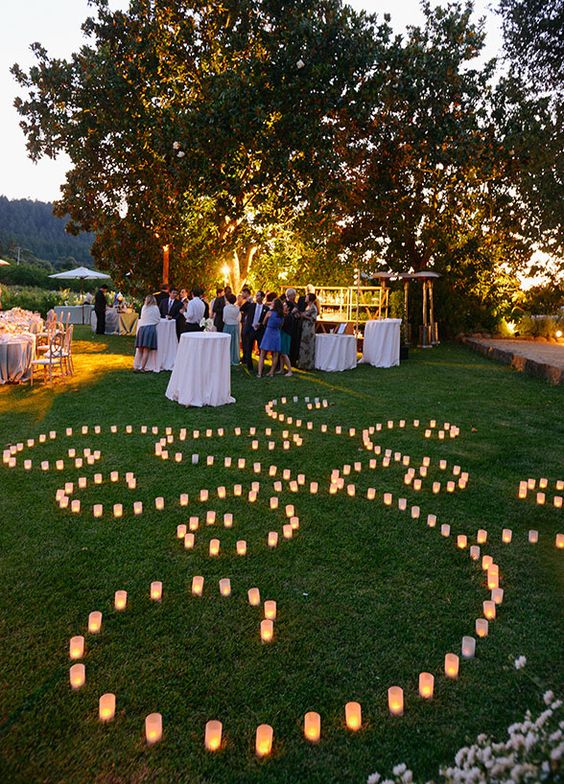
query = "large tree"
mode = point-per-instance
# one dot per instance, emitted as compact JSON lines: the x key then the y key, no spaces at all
{"x":201,"y":125}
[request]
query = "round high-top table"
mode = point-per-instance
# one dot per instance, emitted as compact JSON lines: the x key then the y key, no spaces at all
{"x":335,"y":352}
{"x":202,"y":371}
{"x":382,"y":343}
{"x":16,"y":355}
{"x":167,"y":344}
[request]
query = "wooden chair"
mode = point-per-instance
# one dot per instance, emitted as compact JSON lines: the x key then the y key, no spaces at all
{"x":67,"y":351}
{"x":52,"y":358}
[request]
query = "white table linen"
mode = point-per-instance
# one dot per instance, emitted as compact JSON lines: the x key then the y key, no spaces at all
{"x":202,"y":373}
{"x":112,"y":321}
{"x":167,"y":344}
{"x":335,"y":352}
{"x":382,"y":343}
{"x":79,"y":314}
{"x":16,"y":355}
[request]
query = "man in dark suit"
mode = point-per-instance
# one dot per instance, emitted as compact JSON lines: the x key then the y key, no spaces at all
{"x":100,"y":309}
{"x":171,"y":308}
{"x":162,"y":294}
{"x":253,"y":326}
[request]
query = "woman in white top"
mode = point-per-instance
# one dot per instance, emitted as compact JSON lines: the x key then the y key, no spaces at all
{"x":231,"y":320}
{"x":146,"y":340}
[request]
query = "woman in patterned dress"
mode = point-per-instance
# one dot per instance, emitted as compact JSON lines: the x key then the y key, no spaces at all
{"x":306,"y":359}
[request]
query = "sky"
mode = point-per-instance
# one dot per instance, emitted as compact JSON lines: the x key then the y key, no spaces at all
{"x":56,"y":25}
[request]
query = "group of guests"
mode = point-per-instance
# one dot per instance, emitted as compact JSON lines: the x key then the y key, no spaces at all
{"x":280,"y":325}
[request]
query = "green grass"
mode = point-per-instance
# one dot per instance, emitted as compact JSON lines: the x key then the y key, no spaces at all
{"x":367,"y":598}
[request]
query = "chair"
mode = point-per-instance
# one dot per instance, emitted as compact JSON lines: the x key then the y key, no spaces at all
{"x":52,"y":357}
{"x":67,"y":351}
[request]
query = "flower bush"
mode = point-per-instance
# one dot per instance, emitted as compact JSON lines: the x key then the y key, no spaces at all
{"x":532,"y":753}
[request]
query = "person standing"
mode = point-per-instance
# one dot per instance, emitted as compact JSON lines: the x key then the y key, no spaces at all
{"x":253,"y":326}
{"x":231,"y":319}
{"x":170,"y":306}
{"x":271,"y":340}
{"x":195,"y":311}
{"x":294,"y":325}
{"x":100,"y":304}
{"x":306,"y":359}
{"x":217,"y":308}
{"x":146,"y":340}
{"x":162,"y":294}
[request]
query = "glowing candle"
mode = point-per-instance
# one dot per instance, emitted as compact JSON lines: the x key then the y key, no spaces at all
{"x":97,"y":510}
{"x":395,"y":700}
{"x":461,"y":541}
{"x":241,"y":547}
{"x":237,"y":490}
{"x":77,"y":676}
{"x":312,"y":726}
{"x":197,"y":586}
{"x":274,"y":502}
{"x":541,"y":498}
{"x":153,"y":728}
{"x":277,"y":486}
{"x":44,"y":465}
{"x":120,"y":600}
{"x":114,"y":476}
{"x":475,"y":552}
{"x":78,"y":462}
{"x":353,"y":715}
{"x":214,"y":547}
{"x":189,"y":540}
{"x":493,"y":578}
{"x":272,"y":470}
{"x":184,"y":499}
{"x":263,"y":741}
{"x":426,"y":685}
{"x":489,"y":609}
{"x":82,"y":482}
{"x":506,"y":535}
{"x":194,"y":523}
{"x":481,"y":627}
{"x":272,"y":540}
{"x":159,"y":503}
{"x":212,"y":740}
{"x":95,"y":622}
{"x":557,"y":499}
{"x":27,"y":465}
{"x":559,"y":541}
{"x":451,"y":486}
{"x":75,"y":506}
{"x":287,"y":531}
{"x":227,"y":462}
{"x":294,"y":523}
{"x":431,"y":520}
{"x":107,"y":707}
{"x":351,"y":490}
{"x":76,"y":647}
{"x":156,"y":592}
{"x":423,"y":471}
{"x":445,"y":529}
{"x":137,"y":507}
{"x":487,"y":561}
{"x":118,"y":510}
{"x":533,"y":536}
{"x":181,"y":531}
{"x":210,"y":517}
{"x":266,"y":630}
{"x":371,"y":493}
{"x":253,"y":595}
{"x":468,"y":647}
{"x":451,"y":665}
{"x":402,"y":504}
{"x":257,"y":468}
{"x":497,"y":595}
{"x":387,"y":499}
{"x":270,"y":609}
{"x":415,"y":512}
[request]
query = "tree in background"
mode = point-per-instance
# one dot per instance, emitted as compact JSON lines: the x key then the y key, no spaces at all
{"x":212,"y":117}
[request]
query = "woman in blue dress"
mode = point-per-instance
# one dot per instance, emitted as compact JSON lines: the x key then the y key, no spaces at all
{"x":271,"y":340}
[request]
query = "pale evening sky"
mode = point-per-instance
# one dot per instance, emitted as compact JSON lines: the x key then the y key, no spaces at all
{"x":56,"y":25}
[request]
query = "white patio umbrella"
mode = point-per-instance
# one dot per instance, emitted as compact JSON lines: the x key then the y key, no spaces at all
{"x":81,"y":273}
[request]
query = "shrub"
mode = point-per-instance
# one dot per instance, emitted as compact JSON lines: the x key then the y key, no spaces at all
{"x":30,"y":298}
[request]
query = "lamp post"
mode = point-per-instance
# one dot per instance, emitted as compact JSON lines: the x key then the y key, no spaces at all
{"x":166,"y":249}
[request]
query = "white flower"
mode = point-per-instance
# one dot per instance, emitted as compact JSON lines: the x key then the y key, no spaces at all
{"x":300,"y":64}
{"x":399,"y":769}
{"x":548,"y":697}
{"x":176,"y":145}
{"x":180,"y":154}
{"x":374,"y":778}
{"x":520,"y":662}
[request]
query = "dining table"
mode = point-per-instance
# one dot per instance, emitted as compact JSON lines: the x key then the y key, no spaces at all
{"x":202,"y":371}
{"x":335,"y":353}
{"x":381,"y":346}
{"x":17,"y":352}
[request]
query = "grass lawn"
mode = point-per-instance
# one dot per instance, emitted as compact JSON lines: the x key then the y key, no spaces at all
{"x":367,"y":597}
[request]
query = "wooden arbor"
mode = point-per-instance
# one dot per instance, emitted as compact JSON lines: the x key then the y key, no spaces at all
{"x":429,"y":329}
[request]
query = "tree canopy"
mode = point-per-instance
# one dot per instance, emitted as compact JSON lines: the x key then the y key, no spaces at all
{"x":293,"y":137}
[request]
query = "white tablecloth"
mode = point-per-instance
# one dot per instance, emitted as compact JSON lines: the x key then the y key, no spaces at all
{"x":202,"y":373}
{"x":382,"y":342}
{"x":335,"y":352}
{"x":16,"y":354}
{"x":79,"y":314}
{"x":167,"y":344}
{"x":112,"y":321}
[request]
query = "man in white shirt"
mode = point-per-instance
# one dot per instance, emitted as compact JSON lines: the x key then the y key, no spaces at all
{"x":195,"y":311}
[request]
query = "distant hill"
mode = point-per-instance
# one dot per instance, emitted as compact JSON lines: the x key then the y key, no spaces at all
{"x":32,"y":226}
